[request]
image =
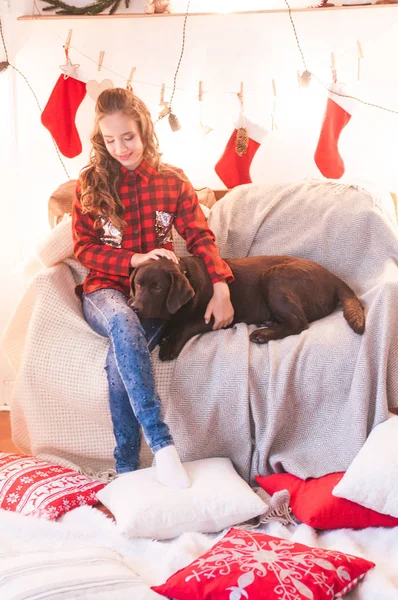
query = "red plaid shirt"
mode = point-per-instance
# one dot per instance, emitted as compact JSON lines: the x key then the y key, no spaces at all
{"x":153,"y":201}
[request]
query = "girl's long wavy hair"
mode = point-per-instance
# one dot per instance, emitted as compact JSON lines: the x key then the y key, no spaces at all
{"x":99,"y":180}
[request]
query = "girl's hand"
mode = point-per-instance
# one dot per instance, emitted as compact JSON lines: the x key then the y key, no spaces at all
{"x":138,"y":258}
{"x":220,"y":306}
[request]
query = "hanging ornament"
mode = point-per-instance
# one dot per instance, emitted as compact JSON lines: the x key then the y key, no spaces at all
{"x":157,"y":6}
{"x":174,"y":122}
{"x":304,"y":79}
{"x":95,"y":88}
{"x":69,"y":69}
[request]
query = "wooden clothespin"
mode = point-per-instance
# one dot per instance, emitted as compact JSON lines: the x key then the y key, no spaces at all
{"x":101,"y":59}
{"x":333,"y":67}
{"x":360,"y":55}
{"x":130,"y":79}
{"x":298,"y":78}
{"x":273,"y":119}
{"x":200,"y":93}
{"x":67,"y":44}
{"x":204,"y":128}
{"x":162,"y":91}
{"x":164,"y":106}
{"x":240,"y":96}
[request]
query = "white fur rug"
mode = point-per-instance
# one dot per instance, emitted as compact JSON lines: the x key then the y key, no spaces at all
{"x":156,"y":561}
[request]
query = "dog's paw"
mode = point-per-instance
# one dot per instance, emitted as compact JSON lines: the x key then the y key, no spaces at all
{"x":167,"y":351}
{"x":260,"y":336}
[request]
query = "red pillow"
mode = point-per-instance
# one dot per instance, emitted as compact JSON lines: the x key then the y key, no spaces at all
{"x":312,"y":502}
{"x":251,"y":565}
{"x":34,"y":487}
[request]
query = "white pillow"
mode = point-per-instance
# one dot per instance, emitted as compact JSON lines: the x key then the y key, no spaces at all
{"x":57,"y":244}
{"x":89,"y":573}
{"x":218,"y":498}
{"x":372,"y":478}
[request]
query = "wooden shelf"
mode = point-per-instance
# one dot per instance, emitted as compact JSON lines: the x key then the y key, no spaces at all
{"x":49,"y":17}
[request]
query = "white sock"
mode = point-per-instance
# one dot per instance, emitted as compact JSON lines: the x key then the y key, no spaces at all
{"x":169,"y":468}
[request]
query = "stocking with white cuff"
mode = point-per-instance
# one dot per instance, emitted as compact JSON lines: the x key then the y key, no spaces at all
{"x":233,"y":168}
{"x":338,"y":113}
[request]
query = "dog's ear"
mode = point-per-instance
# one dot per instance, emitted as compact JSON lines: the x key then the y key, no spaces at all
{"x":180,"y":292}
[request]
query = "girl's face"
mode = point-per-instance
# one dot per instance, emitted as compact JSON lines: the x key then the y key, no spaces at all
{"x":122,"y":139}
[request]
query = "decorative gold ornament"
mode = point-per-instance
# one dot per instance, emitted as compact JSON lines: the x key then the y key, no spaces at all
{"x":241,"y":141}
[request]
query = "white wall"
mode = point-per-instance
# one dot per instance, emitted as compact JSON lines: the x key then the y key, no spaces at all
{"x":221,"y":50}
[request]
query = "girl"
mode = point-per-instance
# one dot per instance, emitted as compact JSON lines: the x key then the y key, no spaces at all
{"x":125,"y":205}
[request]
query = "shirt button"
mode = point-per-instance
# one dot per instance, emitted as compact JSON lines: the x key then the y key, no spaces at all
{"x":132,"y":199}
{"x":135,"y":230}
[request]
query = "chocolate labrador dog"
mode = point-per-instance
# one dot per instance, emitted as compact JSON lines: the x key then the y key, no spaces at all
{"x":282,"y":293}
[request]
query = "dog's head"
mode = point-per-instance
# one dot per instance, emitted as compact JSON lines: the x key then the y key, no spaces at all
{"x":158,"y":289}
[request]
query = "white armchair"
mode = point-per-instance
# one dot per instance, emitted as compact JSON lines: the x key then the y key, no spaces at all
{"x":304,"y":404}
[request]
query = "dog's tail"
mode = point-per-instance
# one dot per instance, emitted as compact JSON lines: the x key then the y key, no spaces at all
{"x":352,"y":308}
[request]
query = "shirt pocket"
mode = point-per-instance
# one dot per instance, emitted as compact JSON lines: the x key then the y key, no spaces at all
{"x":163,"y":224}
{"x":110,"y":235}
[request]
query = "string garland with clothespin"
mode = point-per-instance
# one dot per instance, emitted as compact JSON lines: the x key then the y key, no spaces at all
{"x":94,"y":8}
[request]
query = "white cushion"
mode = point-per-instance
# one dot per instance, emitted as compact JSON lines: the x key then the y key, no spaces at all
{"x":372,"y":478}
{"x":218,"y":498}
{"x":85,"y":573}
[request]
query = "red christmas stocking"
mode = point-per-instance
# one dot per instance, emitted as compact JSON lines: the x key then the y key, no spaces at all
{"x":338,"y":113}
{"x":60,"y":112}
{"x":233,"y":168}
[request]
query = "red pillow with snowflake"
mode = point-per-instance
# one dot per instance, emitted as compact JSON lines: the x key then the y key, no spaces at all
{"x":256,"y":566}
{"x":34,"y":487}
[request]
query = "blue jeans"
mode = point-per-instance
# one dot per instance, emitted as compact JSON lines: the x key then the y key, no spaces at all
{"x":132,"y":395}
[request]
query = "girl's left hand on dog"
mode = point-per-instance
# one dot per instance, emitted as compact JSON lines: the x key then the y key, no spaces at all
{"x":220,"y":306}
